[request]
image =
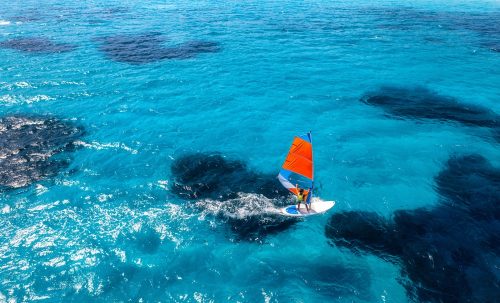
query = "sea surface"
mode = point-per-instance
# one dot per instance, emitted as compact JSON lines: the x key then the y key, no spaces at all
{"x":140,"y":143}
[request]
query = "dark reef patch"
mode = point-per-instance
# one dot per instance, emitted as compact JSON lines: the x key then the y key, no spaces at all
{"x":149,"y":47}
{"x":484,"y":24}
{"x":480,"y":22}
{"x":448,"y":252}
{"x":26,"y":18}
{"x":423,"y":104}
{"x":492,"y":45}
{"x":201,"y":176}
{"x":106,"y":14}
{"x":32,"y":149}
{"x":37,"y":45}
{"x":225,"y":187}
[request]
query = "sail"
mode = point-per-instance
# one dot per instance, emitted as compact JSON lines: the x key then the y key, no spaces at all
{"x":298,"y":168}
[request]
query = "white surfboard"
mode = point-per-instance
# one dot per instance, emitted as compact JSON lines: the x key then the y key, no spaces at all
{"x":317,"y":206}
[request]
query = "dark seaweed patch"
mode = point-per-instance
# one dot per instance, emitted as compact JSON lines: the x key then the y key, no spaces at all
{"x":149,"y":47}
{"x":480,"y":22}
{"x":31,"y":149}
{"x":217,"y":179}
{"x":103,"y":15}
{"x":113,"y":11}
{"x":27,"y":15}
{"x":485,"y":24}
{"x":26,"y":18}
{"x":421,"y":103}
{"x":448,"y":252}
{"x":201,"y":176}
{"x":492,"y":45}
{"x":37,"y":45}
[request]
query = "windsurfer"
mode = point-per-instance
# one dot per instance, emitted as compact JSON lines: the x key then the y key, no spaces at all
{"x":301,"y":197}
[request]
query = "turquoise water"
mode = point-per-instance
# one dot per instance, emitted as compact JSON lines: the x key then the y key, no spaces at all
{"x":108,"y":227}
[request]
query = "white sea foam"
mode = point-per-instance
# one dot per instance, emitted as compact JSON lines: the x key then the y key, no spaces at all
{"x":38,"y":98}
{"x":22,"y":84}
{"x":163,"y":184}
{"x":137,"y":226}
{"x":85,"y":253}
{"x":44,"y":244}
{"x":120,"y":254}
{"x":5,"y":209}
{"x":68,"y":183}
{"x":198,"y":297}
{"x":8,"y":100}
{"x":55,"y":262}
{"x":48,"y":206}
{"x":267,"y":298}
{"x":19,"y":84}
{"x":176,"y":211}
{"x":55,"y":83}
{"x":40,"y":189}
{"x":16,"y":100}
{"x":38,"y":298}
{"x":104,"y":197}
{"x":24,"y":265}
{"x":100,"y":146}
{"x":4,"y":22}
{"x":26,"y":235}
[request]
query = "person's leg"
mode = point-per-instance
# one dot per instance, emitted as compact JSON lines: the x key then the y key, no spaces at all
{"x":298,"y":206}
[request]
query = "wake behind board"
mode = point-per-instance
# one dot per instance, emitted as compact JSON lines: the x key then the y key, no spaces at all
{"x":317,"y":207}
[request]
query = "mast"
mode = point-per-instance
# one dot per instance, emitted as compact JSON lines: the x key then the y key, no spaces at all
{"x":309,"y":196}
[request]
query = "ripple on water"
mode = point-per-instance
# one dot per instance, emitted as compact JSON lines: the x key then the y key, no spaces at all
{"x":92,"y":252}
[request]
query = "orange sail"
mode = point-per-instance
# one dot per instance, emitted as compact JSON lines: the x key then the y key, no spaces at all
{"x":298,"y":169}
{"x":299,"y":158}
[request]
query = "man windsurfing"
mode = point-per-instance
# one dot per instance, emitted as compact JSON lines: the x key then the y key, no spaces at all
{"x":301,"y":197}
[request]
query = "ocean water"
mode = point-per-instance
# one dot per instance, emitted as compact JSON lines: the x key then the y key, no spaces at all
{"x":141,"y":140}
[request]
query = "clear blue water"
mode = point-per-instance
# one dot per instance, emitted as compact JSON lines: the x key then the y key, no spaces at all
{"x":108,"y":228}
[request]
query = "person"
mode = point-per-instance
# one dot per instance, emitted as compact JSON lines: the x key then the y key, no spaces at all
{"x":301,"y":197}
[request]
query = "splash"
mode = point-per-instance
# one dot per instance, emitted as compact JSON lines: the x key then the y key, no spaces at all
{"x":226,"y":189}
{"x":244,"y":206}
